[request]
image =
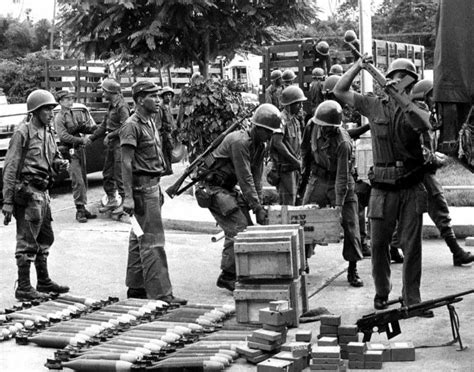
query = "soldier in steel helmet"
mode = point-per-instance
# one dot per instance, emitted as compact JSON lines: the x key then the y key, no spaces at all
{"x":31,"y":162}
{"x":73,"y":142}
{"x":398,"y":197}
{"x":288,"y":78}
{"x":238,"y":160}
{"x":331,"y":182}
{"x":336,"y":69}
{"x":316,"y":88}
{"x":285,"y":147}
{"x":167,"y":126}
{"x":142,"y":167}
{"x":321,"y":56}
{"x":273,"y":91}
{"x":117,"y":113}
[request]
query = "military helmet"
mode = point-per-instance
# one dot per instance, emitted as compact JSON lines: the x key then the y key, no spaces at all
{"x":421,"y":90}
{"x":291,"y":95}
{"x":110,"y":86}
{"x":267,"y":116}
{"x":317,"y":72}
{"x":336,"y":70}
{"x":322,"y":48}
{"x":166,"y":90}
{"x":39,"y":98}
{"x":288,"y":76}
{"x":403,"y":65}
{"x":328,"y":114}
{"x":330,"y":83}
{"x":275,"y":75}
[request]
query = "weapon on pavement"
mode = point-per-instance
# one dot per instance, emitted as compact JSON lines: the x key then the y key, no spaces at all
{"x":203,"y":159}
{"x":396,"y":91}
{"x":388,"y":320}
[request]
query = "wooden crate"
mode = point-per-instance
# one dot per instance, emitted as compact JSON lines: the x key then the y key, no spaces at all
{"x":321,"y":225}
{"x":250,"y":298}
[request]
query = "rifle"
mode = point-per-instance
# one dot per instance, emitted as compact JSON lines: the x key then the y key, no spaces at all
{"x":388,"y":320}
{"x":418,"y":119}
{"x":205,"y":158}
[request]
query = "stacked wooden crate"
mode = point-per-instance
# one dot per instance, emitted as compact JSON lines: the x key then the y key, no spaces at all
{"x":270,"y":263}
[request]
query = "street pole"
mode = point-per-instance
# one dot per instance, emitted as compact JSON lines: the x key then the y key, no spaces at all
{"x":53,"y":27}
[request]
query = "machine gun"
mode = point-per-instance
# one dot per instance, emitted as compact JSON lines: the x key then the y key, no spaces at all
{"x":388,"y":320}
{"x":205,"y":158}
{"x":417,"y":117}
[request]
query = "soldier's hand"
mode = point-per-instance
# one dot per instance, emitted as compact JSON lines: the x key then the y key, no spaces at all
{"x":365,"y":60}
{"x":106,"y":140}
{"x":129,"y":206}
{"x":261,"y":215}
{"x":7,"y":211}
{"x":86,"y":141}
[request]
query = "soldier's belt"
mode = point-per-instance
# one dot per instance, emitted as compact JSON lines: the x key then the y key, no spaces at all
{"x":37,"y":182}
{"x":143,"y":181}
{"x":323,"y":173}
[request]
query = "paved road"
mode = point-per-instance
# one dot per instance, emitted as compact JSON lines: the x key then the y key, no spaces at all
{"x":91,"y":259}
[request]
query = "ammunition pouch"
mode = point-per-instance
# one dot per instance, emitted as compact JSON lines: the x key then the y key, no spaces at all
{"x":395,"y":177}
{"x":22,"y":194}
{"x":203,"y":194}
{"x":64,"y":151}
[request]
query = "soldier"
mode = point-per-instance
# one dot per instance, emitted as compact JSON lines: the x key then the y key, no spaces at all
{"x":336,"y":69}
{"x":285,"y":146}
{"x":398,"y":193}
{"x":316,"y":88}
{"x":438,"y":209}
{"x":166,"y":126}
{"x":288,"y":78}
{"x":321,"y":58}
{"x":273,"y":91}
{"x":142,"y":166}
{"x":117,"y":113}
{"x":238,"y":161}
{"x":73,"y":144}
{"x":30,"y":163}
{"x":331,"y":182}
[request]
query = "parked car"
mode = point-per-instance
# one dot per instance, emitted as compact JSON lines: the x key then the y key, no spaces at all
{"x":13,"y":115}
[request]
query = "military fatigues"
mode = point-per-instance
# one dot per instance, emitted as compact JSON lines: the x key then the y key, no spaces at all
{"x":166,"y":126}
{"x":315,"y":94}
{"x":147,"y":265}
{"x":34,"y":232}
{"x":331,"y":184}
{"x":237,"y":161}
{"x":397,"y":194}
{"x":69,"y":133}
{"x":117,"y":114}
{"x":289,"y":173}
{"x":273,"y":95}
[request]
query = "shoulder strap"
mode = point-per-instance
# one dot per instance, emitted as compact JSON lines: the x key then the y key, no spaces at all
{"x":24,"y":150}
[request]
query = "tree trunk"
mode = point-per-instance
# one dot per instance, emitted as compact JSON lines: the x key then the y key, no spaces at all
{"x":204,"y":63}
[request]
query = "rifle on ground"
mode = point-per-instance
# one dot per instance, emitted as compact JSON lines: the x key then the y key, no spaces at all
{"x":396,"y":91}
{"x":388,"y":320}
{"x":205,"y":158}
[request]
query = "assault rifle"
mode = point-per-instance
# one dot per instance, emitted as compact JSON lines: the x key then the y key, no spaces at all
{"x":205,"y":158}
{"x":419,"y":118}
{"x":388,"y":320}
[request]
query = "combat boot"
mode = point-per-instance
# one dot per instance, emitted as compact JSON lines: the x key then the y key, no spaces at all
{"x":111,"y":204}
{"x":366,"y":250}
{"x":172,"y":300}
{"x":460,"y":256}
{"x":81,"y":215}
{"x":89,"y":215}
{"x":395,"y":255}
{"x":45,"y":284}
{"x":226,"y":280}
{"x":24,"y":291}
{"x":136,"y":293}
{"x":353,"y":276}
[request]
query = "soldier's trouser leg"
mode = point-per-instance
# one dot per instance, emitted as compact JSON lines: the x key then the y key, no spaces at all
{"x":288,"y":187}
{"x":438,"y":206}
{"x":79,"y":189}
{"x":147,"y":265}
{"x":413,"y":203}
{"x":108,"y":171}
{"x":118,"y":168}
{"x":362,"y":224}
{"x":383,"y":211}
{"x":351,"y":250}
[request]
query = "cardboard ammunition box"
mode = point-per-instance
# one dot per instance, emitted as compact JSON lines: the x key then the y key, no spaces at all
{"x":250,"y":298}
{"x":344,"y":354}
{"x":274,"y":365}
{"x":323,"y":367}
{"x":356,"y":347}
{"x":402,"y":351}
{"x":326,"y":360}
{"x":278,"y":305}
{"x":263,"y":341}
{"x":327,"y":341}
{"x":278,"y":318}
{"x":347,"y":330}
{"x":266,"y":347}
{"x":267,"y":335}
{"x":331,"y":320}
{"x":356,"y":364}
{"x":298,"y":349}
{"x":345,"y":339}
{"x":325,"y":352}
{"x":299,"y":363}
{"x":304,"y":335}
{"x":277,"y":230}
{"x":321,"y":225}
{"x":373,"y":356}
{"x":356,"y":356}
{"x":373,"y":365}
{"x":248,"y":352}
{"x":321,"y":335}
{"x":325,"y":329}
{"x":257,"y":359}
{"x":385,"y":349}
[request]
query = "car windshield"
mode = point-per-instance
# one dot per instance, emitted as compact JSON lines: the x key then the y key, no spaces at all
{"x":10,"y":117}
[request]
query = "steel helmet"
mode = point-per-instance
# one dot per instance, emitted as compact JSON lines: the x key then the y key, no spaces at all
{"x":275,"y":75}
{"x":317,"y":72}
{"x":288,"y":75}
{"x":267,"y":116}
{"x":322,"y":48}
{"x":291,"y":95}
{"x":336,"y":70}
{"x":39,"y":98}
{"x":111,"y":86}
{"x":328,"y":114}
{"x":421,"y":90}
{"x":330,"y":83}
{"x":167,"y":90}
{"x":404,"y":65}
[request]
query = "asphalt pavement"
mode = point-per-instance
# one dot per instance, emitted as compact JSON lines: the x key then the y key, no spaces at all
{"x":91,"y":259}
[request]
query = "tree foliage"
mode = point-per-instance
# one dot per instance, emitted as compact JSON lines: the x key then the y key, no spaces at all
{"x":176,"y":32}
